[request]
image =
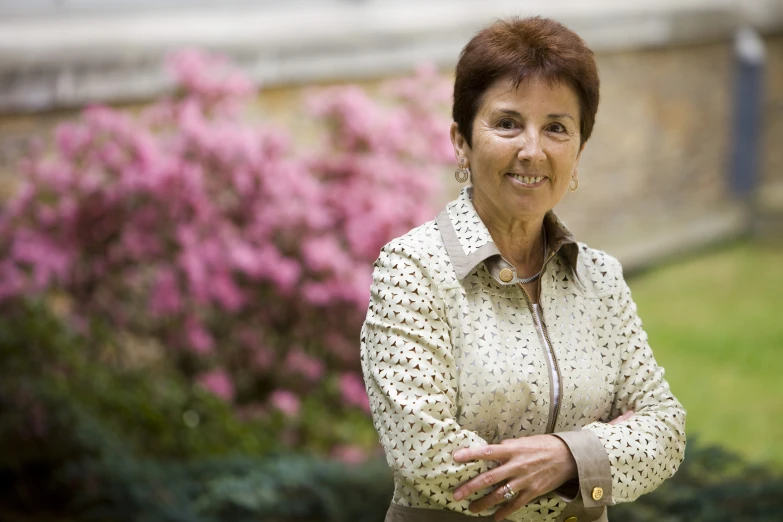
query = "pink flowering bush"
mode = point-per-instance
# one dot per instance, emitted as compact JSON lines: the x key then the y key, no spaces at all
{"x":247,"y":258}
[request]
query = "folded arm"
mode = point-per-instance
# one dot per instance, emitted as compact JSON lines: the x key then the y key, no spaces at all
{"x":643,"y":450}
{"x":410,"y":375}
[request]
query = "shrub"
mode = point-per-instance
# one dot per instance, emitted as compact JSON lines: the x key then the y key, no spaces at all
{"x":92,"y":441}
{"x":246,"y":261}
{"x":53,"y":393}
{"x":712,"y":485}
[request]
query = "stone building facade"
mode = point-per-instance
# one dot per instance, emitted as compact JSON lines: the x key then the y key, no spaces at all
{"x":653,"y":178}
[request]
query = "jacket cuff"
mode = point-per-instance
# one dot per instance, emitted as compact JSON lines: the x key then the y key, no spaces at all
{"x":592,"y":464}
{"x":569,"y":491}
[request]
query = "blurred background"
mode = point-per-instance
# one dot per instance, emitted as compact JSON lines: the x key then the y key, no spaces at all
{"x":192,"y":194}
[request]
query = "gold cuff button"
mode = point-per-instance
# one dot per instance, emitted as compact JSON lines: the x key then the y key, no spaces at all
{"x":598,"y":492}
{"x":506,"y":275}
{"x":571,"y":519}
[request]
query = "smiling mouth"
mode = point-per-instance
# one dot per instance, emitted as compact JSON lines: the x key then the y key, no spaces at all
{"x":528,"y":180}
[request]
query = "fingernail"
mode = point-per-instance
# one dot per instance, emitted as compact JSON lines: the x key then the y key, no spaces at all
{"x":458,"y":454}
{"x":458,"y":495}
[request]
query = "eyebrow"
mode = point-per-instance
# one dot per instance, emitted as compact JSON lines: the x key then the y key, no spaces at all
{"x":512,"y":112}
{"x":559,"y":116}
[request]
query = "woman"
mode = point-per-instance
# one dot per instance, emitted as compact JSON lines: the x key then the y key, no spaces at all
{"x":507,"y":369}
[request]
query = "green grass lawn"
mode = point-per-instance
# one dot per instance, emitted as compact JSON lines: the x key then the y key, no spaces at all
{"x":715,"y":322}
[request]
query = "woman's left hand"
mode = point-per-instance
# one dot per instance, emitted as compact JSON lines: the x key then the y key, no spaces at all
{"x":531,"y":466}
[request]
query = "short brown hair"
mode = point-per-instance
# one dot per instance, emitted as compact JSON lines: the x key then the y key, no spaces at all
{"x":520,"y":48}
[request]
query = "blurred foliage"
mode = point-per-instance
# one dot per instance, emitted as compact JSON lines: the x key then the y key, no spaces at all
{"x":713,"y":319}
{"x":711,"y":485}
{"x":88,"y":439}
{"x":241,"y":260}
{"x":236,"y":489}
{"x":54,"y":380}
{"x":100,"y":441}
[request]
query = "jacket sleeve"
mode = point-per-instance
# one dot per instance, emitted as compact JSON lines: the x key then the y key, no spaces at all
{"x":647,"y":449}
{"x":410,"y":375}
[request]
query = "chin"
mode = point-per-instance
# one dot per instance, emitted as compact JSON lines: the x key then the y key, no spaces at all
{"x":529,"y":209}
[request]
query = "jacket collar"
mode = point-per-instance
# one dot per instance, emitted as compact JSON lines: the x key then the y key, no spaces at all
{"x":468,"y":242}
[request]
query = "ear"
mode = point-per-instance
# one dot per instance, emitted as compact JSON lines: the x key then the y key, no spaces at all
{"x":461,"y":147}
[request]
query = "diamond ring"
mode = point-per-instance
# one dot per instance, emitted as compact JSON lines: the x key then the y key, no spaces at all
{"x":508,"y":493}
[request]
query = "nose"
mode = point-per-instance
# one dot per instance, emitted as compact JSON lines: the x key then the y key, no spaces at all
{"x":530,"y":149}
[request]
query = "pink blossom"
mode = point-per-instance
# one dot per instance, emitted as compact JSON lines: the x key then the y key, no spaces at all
{"x":286,"y":402}
{"x":199,"y":339}
{"x":72,"y":139}
{"x":337,"y":343}
{"x":264,"y":358}
{"x":188,"y":223}
{"x":219,"y":383}
{"x":349,"y":454}
{"x":324,"y":254}
{"x":165,"y":297}
{"x":51,"y":262}
{"x":244,"y":257}
{"x":299,"y":362}
{"x":192,"y":263}
{"x":317,"y":293}
{"x":356,"y":289}
{"x":353,"y":392}
{"x":225,"y":291}
{"x":209,"y":76}
{"x":139,"y":243}
{"x":285,"y":274}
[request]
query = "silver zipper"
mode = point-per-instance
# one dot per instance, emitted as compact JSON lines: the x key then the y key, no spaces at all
{"x":539,"y":319}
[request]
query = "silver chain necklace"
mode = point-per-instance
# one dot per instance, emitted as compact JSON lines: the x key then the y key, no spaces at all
{"x":526,"y":280}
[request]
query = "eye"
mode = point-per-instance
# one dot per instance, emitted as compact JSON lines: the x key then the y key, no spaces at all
{"x":558,"y":127}
{"x":507,"y":124}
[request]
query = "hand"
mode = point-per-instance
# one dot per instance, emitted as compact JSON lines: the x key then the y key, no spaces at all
{"x":624,"y":417}
{"x":531,"y":466}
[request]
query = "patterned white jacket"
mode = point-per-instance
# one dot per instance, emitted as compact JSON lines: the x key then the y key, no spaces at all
{"x":453,"y":356}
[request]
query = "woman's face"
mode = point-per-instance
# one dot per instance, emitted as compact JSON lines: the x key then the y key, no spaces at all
{"x":525,"y":148}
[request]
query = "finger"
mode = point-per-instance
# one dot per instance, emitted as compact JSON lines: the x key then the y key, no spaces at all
{"x":493,"y":498}
{"x":622,"y":417}
{"x":625,"y":416}
{"x":491,"y":452}
{"x":487,"y":479}
{"x":513,"y":505}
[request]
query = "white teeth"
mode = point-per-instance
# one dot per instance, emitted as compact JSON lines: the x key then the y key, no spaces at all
{"x":527,"y":180}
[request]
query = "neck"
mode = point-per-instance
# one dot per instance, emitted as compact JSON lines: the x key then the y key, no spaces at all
{"x":519,"y":240}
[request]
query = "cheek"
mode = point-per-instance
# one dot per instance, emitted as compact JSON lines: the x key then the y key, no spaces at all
{"x":564,"y":156}
{"x":483,"y":143}
{"x":487,"y":152}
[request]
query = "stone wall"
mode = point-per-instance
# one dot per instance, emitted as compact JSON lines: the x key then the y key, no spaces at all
{"x":16,"y":133}
{"x":654,"y":175}
{"x":661,"y":146}
{"x":653,"y":178}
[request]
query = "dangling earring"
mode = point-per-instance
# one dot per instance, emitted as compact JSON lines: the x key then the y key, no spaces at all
{"x":573,"y":185}
{"x":462,"y":173}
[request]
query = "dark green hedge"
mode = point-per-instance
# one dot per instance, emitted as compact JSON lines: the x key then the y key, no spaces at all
{"x":711,"y":485}
{"x":84,"y":438}
{"x":236,"y":489}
